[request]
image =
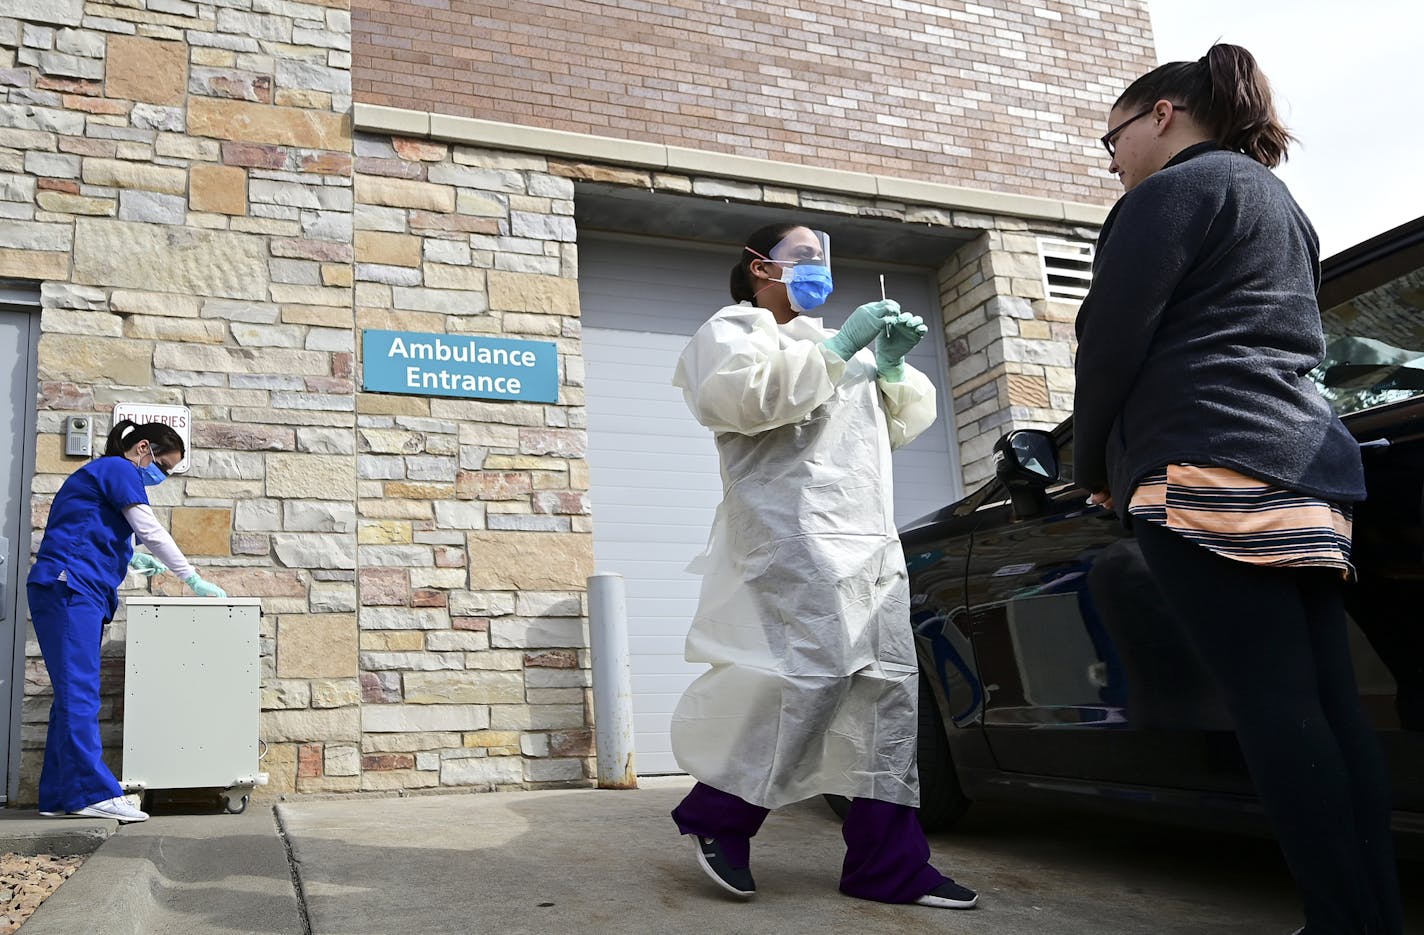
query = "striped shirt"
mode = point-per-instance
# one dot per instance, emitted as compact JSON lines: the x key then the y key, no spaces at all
{"x":1246,"y":520}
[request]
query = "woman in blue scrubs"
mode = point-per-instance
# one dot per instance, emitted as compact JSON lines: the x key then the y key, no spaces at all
{"x":86,"y":551}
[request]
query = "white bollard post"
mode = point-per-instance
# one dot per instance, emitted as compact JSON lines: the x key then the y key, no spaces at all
{"x":612,"y":688}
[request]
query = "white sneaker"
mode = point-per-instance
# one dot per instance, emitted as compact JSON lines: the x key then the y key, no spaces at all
{"x":117,"y":807}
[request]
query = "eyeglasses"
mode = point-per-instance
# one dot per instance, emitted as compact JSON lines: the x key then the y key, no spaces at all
{"x":161,"y":466}
{"x":1107,"y":138}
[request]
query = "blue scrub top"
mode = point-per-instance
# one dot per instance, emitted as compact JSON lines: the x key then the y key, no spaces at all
{"x":87,"y":535}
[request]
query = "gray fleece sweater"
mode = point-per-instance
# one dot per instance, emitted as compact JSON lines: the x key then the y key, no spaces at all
{"x":1196,"y":336}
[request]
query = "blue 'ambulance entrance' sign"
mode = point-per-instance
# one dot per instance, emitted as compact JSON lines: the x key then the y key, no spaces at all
{"x":467,"y":365}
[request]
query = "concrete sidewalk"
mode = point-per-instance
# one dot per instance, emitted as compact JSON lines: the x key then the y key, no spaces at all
{"x":546,"y":862}
{"x":180,"y":875}
{"x":590,"y":860}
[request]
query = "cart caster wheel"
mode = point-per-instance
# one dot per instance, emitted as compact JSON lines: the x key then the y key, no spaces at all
{"x":236,"y":805}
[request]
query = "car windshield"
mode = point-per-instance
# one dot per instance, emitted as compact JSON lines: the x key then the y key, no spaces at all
{"x":1374,"y":346}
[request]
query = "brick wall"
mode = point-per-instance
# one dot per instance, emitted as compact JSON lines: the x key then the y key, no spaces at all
{"x":1004,"y":96}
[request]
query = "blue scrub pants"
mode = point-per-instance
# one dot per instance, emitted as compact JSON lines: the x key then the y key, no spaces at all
{"x":69,"y":626}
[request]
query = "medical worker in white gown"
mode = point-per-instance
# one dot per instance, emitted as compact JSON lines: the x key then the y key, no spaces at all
{"x":804,"y":611}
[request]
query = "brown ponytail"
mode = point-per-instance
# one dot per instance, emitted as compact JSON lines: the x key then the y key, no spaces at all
{"x":1228,"y":96}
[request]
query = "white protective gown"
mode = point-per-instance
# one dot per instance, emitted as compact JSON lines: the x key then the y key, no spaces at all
{"x":804,"y":611}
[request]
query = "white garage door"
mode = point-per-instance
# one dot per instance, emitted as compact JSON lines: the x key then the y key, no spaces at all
{"x":654,"y":469}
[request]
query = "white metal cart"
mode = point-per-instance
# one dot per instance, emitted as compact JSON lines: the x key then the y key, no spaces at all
{"x":192,"y":695}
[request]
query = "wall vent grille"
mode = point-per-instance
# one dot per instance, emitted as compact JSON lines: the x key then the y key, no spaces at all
{"x":1067,"y":268}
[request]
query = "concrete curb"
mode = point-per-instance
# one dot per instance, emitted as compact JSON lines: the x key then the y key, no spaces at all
{"x":24,"y":832}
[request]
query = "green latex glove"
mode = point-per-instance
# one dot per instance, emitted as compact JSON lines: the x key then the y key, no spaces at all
{"x":904,"y":332}
{"x":861,"y":328}
{"x":146,"y":564}
{"x":203,"y":588}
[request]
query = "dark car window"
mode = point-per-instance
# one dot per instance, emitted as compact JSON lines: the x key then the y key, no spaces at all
{"x":1065,"y":459}
{"x":1374,"y":346}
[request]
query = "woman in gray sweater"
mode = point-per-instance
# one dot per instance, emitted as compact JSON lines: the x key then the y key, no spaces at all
{"x":1195,"y":420}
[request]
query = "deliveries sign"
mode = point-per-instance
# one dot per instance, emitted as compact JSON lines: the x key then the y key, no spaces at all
{"x":472,"y":366}
{"x":177,"y":418}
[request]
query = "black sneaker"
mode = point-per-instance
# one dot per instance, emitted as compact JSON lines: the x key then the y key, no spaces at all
{"x":949,"y":895}
{"x":714,"y":863}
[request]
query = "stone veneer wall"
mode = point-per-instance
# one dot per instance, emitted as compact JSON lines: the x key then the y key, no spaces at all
{"x":1011,"y":348}
{"x":178,"y":176}
{"x":474,"y":529}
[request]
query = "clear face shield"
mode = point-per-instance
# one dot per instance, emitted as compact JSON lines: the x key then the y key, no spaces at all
{"x":804,"y":257}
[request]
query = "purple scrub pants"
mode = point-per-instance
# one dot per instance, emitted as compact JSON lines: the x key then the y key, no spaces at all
{"x":69,"y":626}
{"x":887,"y":857}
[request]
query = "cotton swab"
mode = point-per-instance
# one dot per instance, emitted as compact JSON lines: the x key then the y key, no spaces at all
{"x":882,"y":298}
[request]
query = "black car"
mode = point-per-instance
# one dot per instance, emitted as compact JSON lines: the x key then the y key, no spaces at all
{"x":1050,"y":668}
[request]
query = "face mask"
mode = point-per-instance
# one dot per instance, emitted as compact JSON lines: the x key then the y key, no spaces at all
{"x":805,"y":270}
{"x":807,"y":285}
{"x":152,"y":475}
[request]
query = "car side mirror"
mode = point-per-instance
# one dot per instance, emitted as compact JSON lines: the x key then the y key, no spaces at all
{"x":1026,"y":461}
{"x":1027,"y":456}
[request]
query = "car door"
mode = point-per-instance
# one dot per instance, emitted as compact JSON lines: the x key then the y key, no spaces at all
{"x":1085,"y":672}
{"x":1386,"y":602}
{"x":1086,"y":676}
{"x":1373,"y":376}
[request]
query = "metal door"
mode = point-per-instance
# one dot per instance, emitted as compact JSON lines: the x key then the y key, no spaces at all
{"x":19,"y":331}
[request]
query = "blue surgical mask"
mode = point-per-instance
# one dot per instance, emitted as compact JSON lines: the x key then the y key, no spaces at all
{"x":152,"y":475}
{"x":808,"y":285}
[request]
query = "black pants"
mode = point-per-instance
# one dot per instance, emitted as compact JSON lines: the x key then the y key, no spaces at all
{"x":1275,"y":640}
